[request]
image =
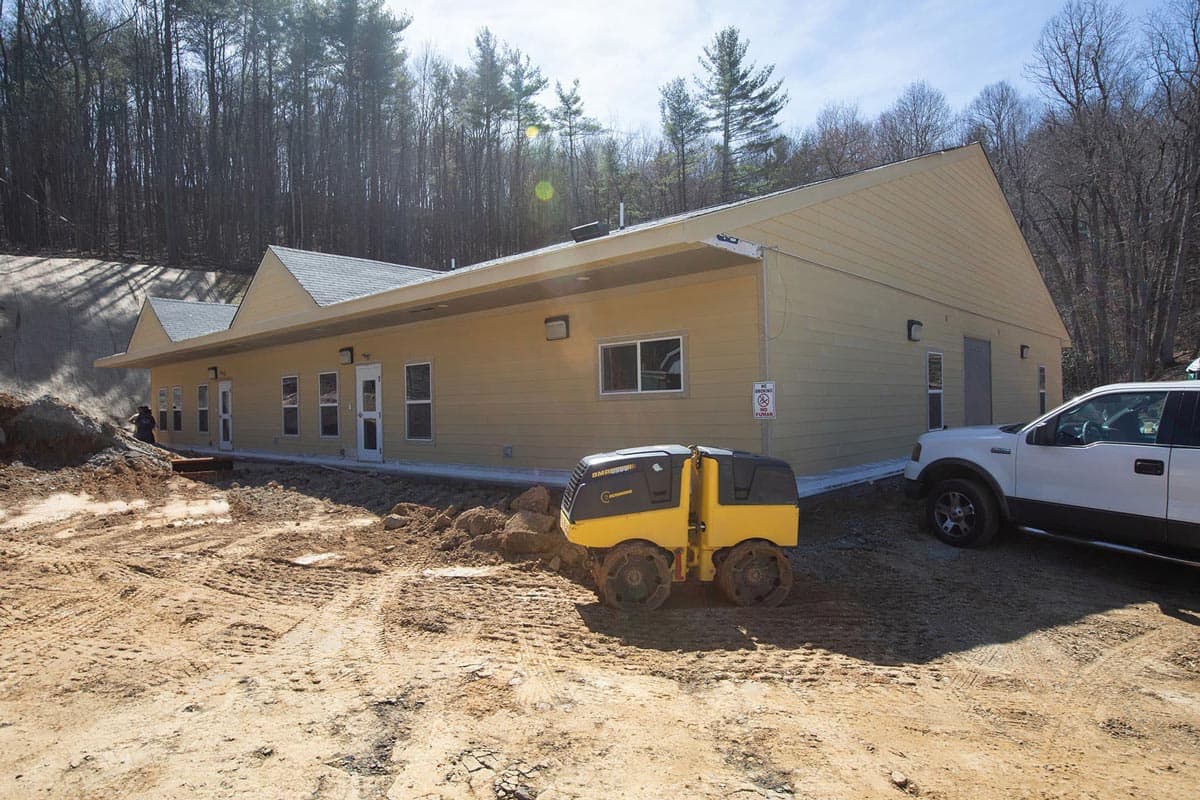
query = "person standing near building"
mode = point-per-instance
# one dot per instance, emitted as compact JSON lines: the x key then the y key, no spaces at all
{"x":144,"y":424}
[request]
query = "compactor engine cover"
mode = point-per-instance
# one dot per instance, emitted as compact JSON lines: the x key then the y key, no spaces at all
{"x":626,"y":482}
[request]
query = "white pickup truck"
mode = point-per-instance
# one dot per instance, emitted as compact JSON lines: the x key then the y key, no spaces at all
{"x":1118,"y":467}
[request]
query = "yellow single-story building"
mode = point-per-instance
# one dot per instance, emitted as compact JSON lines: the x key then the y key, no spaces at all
{"x":828,"y":325}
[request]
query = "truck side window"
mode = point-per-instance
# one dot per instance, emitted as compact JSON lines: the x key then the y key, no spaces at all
{"x":1122,"y":417}
{"x":1187,"y":421}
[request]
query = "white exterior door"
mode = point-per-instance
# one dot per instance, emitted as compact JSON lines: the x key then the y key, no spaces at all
{"x":225,"y":415}
{"x":370,"y":412}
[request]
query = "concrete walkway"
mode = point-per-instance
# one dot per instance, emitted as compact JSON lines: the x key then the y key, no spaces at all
{"x":806,"y":485}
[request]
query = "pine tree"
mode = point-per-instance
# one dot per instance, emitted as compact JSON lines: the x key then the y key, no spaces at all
{"x":742,"y":103}
{"x":684,"y":125}
{"x":572,"y":127}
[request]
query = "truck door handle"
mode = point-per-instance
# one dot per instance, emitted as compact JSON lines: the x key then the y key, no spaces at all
{"x":1148,"y":466}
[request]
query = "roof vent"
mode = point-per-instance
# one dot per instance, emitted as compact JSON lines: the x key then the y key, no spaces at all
{"x":592,"y":230}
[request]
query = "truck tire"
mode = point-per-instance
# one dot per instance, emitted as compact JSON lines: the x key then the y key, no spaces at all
{"x":962,"y":513}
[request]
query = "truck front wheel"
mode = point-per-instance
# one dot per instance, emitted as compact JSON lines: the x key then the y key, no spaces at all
{"x":962,"y":513}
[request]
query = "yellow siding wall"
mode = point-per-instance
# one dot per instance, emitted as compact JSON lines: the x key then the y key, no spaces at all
{"x":148,"y":333}
{"x":851,"y":388}
{"x":845,"y":276}
{"x":273,"y":292}
{"x":497,"y":381}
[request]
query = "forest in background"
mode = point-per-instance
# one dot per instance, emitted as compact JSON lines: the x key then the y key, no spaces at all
{"x":197,"y":132}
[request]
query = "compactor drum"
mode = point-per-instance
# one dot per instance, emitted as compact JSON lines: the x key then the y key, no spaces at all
{"x":653,"y":516}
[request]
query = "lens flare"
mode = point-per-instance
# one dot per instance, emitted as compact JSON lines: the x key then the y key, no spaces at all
{"x":544,"y":191}
{"x":532,"y":131}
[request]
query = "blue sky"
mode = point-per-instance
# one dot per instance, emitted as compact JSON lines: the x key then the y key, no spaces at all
{"x":863,"y":52}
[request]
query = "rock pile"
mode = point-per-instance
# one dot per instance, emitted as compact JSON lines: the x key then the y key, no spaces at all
{"x":50,"y":433}
{"x":528,"y":530}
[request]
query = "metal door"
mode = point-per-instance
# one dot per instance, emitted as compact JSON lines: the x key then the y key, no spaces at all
{"x":225,"y":415}
{"x":370,"y":412}
{"x":977,"y":381}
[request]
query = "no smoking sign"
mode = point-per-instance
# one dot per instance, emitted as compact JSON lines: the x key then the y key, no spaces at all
{"x":764,"y":400}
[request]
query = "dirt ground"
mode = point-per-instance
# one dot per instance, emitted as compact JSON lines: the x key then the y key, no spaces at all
{"x":263,"y":636}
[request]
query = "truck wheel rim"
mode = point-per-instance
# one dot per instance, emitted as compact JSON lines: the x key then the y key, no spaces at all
{"x":954,"y":514}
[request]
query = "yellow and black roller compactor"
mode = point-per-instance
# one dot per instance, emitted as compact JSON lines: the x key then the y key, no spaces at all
{"x":657,"y":515}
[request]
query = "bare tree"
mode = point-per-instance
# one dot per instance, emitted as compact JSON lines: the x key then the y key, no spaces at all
{"x":919,"y":122}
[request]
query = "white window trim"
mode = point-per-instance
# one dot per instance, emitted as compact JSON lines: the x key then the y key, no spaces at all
{"x":177,"y":409}
{"x":163,"y":408}
{"x":282,"y":406}
{"x":640,"y":391}
{"x":207,"y":416}
{"x":941,"y":391}
{"x":337,"y":378}
{"x":428,"y":402}
{"x":1041,"y":384}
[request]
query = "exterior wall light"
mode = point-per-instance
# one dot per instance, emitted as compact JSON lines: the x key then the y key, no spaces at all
{"x":346,"y":355}
{"x":914,"y":330}
{"x":212,"y":373}
{"x":558,"y":328}
{"x":1024,"y":351}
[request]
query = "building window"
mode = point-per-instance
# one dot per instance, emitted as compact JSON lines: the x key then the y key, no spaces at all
{"x":1041,"y":390}
{"x":176,"y":408}
{"x":648,"y":365}
{"x":327,"y":387}
{"x":162,"y":410}
{"x":933,"y":380}
{"x":202,"y":408}
{"x":418,"y":402}
{"x":291,"y":405}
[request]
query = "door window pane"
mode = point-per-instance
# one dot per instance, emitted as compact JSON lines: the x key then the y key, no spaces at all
{"x":1123,"y":417}
{"x":370,"y":435}
{"x":368,"y":395}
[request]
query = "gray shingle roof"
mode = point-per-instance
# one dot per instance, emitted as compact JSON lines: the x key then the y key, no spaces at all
{"x":330,"y":279}
{"x":184,"y":319}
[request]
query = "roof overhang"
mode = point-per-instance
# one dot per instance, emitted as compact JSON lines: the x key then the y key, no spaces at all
{"x":559,"y":273}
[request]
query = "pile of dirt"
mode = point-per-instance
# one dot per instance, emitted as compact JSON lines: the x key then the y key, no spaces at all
{"x":49,"y":433}
{"x":527,"y":531}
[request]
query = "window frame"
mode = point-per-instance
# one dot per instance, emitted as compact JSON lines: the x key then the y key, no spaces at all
{"x":202,"y":423}
{"x":638,"y":342}
{"x":177,"y":409}
{"x":940,"y":391}
{"x":335,"y":405}
{"x":162,"y":409}
{"x":429,"y":402}
{"x":284,"y":406}
{"x":1041,"y":389}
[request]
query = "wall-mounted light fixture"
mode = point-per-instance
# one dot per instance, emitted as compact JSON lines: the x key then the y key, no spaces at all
{"x":346,"y":355}
{"x":212,"y":373}
{"x":914,"y":330}
{"x":558,"y":328}
{"x":1024,"y":351}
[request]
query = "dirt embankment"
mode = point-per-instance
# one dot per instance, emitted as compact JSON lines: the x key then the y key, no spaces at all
{"x":58,"y":315}
{"x":266,"y":634}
